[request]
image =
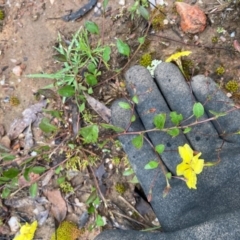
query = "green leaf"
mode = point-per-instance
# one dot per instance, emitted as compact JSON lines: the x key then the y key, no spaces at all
{"x":60,"y":180}
{"x":151,"y":165}
{"x":91,"y":67}
{"x":58,"y":170}
{"x":46,"y":126}
{"x":11,"y":173}
{"x":128,"y":172}
{"x":82,"y":107}
{"x":187,"y":130}
{"x":134,"y":180}
{"x":66,"y":91}
{"x":5,"y":193}
{"x":105,"y":3}
{"x":92,"y":197}
{"x":159,"y":120}
{"x":26,"y":174}
{"x":38,"y":169}
{"x":138,"y":141}
{"x":123,"y":48}
{"x":133,"y":118}
{"x":54,"y":113}
{"x":143,"y":12}
{"x":135,"y":99}
{"x":92,"y":27}
{"x":173,"y":132}
{"x":91,"y":79}
{"x":60,"y":57}
{"x":168,"y":175}
{"x":176,"y":118}
{"x":91,"y":209}
{"x":96,"y":202}
{"x":112,"y":127}
{"x":160,"y":148}
{"x":99,"y":221}
{"x":90,"y":91}
{"x":89,"y":133}
{"x":198,"y":110}
{"x":33,"y":190}
{"x":218,"y":114}
{"x":124,"y":105}
{"x":106,"y":54}
{"x":5,"y":179}
{"x":7,"y":157}
{"x":141,"y":40}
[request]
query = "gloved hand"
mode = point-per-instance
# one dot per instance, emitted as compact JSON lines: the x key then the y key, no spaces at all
{"x":212,"y":211}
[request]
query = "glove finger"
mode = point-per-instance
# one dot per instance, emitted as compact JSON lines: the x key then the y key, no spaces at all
{"x":202,"y":137}
{"x":208,"y":92}
{"x":151,"y":102}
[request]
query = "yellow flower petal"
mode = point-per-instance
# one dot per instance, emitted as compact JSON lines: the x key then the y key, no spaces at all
{"x":197,"y":164}
{"x":27,"y":231}
{"x":191,"y":178}
{"x":182,"y":167}
{"x":177,"y":55}
{"x":186,"y":153}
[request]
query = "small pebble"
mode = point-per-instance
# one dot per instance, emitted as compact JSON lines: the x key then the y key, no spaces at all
{"x":33,"y":154}
{"x":229,"y":95}
{"x":78,"y":203}
{"x":196,"y":38}
{"x":232,"y":35}
{"x":98,"y":10}
{"x":165,"y":22}
{"x":6,"y":99}
{"x":110,"y":166}
{"x":121,"y":2}
{"x":2,"y":82}
{"x":17,"y":70}
{"x":14,"y":224}
{"x":223,"y":39}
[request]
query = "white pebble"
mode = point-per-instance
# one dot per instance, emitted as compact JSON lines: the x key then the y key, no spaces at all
{"x":17,"y":70}
{"x":121,"y":2}
{"x":232,"y":35}
{"x":14,"y":224}
{"x":229,"y":95}
{"x":33,"y":154}
{"x":196,"y":38}
{"x":110,"y":166}
{"x":165,"y":22}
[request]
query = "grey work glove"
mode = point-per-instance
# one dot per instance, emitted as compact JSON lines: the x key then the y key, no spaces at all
{"x":212,"y":211}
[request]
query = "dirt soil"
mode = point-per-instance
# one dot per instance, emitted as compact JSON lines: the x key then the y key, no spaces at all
{"x":27,"y":41}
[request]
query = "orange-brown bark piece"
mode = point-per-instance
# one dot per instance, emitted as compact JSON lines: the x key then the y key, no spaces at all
{"x":193,"y":19}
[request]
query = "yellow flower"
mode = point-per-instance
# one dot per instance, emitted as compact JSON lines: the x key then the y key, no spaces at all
{"x":190,"y":166}
{"x":27,"y":231}
{"x":177,"y":55}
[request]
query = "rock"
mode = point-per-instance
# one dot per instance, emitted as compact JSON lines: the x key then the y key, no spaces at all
{"x":5,"y":141}
{"x":193,"y":19}
{"x":17,"y":70}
